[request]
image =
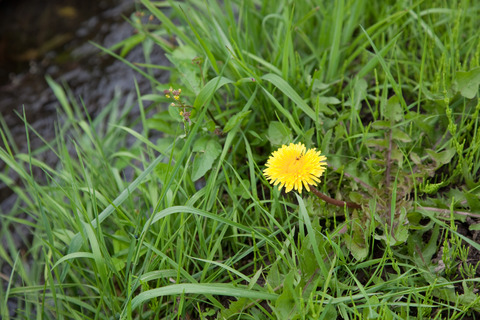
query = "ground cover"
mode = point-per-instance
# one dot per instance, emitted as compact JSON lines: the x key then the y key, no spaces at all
{"x":188,"y":226}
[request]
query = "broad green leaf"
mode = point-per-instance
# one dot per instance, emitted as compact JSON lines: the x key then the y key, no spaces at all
{"x":274,"y":278}
{"x":279,"y":134}
{"x":182,"y":58}
{"x":204,"y":162}
{"x":467,"y":82}
{"x":154,"y":97}
{"x":234,"y":308}
{"x":357,"y":246}
{"x":399,"y":135}
{"x":474,"y":227}
{"x":381,"y":124}
{"x":370,"y":312}
{"x":328,"y":100}
{"x":318,"y":85}
{"x":473,"y":201}
{"x":200,"y":145}
{"x":162,"y":122}
{"x":322,"y":107}
{"x":210,"y":125}
{"x":174,"y":113}
{"x":443,"y":157}
{"x":415,"y":158}
{"x":393,"y":110}
{"x":285,"y":304}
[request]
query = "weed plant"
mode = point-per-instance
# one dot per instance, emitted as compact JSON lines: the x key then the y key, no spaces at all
{"x":185,"y":225}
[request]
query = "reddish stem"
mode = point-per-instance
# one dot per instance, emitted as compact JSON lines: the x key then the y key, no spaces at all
{"x":335,"y":202}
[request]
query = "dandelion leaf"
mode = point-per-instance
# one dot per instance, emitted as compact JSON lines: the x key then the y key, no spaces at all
{"x":204,"y":161}
{"x":285,"y":305}
{"x":393,"y":110}
{"x":279,"y":134}
{"x":443,"y":157}
{"x":466,"y":82}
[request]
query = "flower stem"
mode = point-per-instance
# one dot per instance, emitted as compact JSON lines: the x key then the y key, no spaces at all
{"x":335,"y":202}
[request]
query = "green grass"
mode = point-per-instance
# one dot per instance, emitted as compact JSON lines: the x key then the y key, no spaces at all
{"x":185,"y":226}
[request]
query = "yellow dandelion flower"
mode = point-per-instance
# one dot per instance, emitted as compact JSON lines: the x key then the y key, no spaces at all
{"x":293,"y":167}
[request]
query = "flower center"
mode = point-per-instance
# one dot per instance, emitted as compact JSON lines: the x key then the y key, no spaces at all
{"x":295,"y":165}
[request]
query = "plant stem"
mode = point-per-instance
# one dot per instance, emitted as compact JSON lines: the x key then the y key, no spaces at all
{"x":335,"y":202}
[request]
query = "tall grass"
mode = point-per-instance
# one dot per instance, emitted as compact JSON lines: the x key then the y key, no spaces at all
{"x":185,"y":225}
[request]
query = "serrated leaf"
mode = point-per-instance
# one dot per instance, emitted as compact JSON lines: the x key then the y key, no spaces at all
{"x":204,"y":162}
{"x":233,"y":121}
{"x":467,"y":82}
{"x":234,"y":308}
{"x":279,"y":134}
